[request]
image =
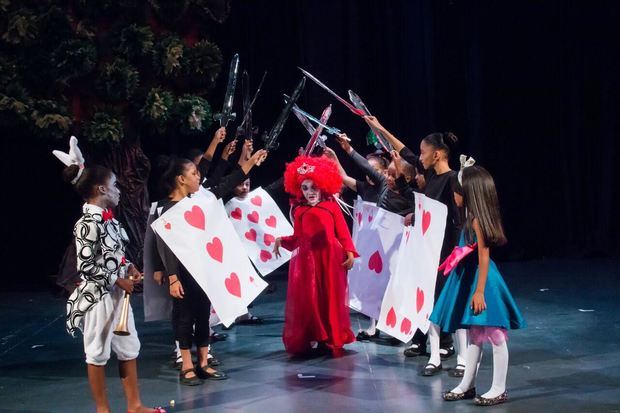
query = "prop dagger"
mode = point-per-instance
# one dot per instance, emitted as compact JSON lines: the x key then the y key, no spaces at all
{"x":270,"y":139}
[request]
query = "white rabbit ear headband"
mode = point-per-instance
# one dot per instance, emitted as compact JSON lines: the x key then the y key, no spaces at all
{"x":465,"y":163}
{"x":74,"y":157}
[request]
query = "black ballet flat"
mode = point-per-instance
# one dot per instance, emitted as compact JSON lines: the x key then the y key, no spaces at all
{"x":483,"y":401}
{"x":219,"y":336}
{"x":189,"y":381}
{"x":205,"y":375}
{"x":457,"y":372}
{"x":364,"y":336}
{"x":449,"y":352}
{"x":431,"y":369}
{"x":451,"y":397}
{"x":415,"y":351}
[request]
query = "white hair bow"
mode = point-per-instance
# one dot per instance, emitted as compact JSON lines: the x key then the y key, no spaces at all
{"x":74,"y":157}
{"x":465,"y":163}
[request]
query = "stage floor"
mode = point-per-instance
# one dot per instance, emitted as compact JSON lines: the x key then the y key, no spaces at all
{"x":567,"y":360}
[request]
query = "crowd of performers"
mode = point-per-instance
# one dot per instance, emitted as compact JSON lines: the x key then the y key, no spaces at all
{"x":473,"y":305}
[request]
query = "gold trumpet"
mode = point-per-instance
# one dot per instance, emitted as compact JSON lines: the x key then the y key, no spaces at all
{"x":121,"y":329}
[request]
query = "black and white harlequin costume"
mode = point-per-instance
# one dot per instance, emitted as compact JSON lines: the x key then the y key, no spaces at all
{"x":95,"y":305}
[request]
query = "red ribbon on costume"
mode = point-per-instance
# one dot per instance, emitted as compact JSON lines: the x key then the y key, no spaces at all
{"x":107,"y":215}
{"x":457,"y":254}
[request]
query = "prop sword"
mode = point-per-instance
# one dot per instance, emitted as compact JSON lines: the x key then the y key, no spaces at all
{"x":270,"y":139}
{"x":304,"y":117}
{"x":227,"y":114}
{"x":317,"y":132}
{"x":247,"y":105}
{"x":359,"y":104}
{"x":349,"y":106}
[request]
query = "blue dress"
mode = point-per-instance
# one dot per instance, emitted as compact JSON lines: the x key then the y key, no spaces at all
{"x":453,"y":307}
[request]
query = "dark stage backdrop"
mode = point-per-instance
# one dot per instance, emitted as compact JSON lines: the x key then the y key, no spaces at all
{"x":530,"y":88}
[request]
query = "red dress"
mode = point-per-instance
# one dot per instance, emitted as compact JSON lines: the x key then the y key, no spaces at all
{"x":316,"y":302}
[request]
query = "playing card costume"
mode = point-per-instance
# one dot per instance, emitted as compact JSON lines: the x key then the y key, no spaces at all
{"x":316,"y":310}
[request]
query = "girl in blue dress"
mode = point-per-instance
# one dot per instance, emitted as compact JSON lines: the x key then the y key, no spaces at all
{"x":475,"y":296}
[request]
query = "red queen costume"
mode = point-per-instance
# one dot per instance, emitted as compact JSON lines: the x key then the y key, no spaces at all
{"x":316,"y":304}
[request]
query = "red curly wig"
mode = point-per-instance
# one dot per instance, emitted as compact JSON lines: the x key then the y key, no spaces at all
{"x":322,"y":171}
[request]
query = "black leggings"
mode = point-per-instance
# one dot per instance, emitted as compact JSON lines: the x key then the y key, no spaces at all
{"x":190,"y":316}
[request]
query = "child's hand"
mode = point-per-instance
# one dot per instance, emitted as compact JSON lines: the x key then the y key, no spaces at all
{"x":158,"y":276}
{"x":397,"y":163}
{"x":477,"y":303}
{"x":176,"y":289}
{"x":276,"y":247}
{"x":348,"y":264}
{"x":373,"y":122}
{"x":219,"y":135}
{"x":125,"y":284}
{"x":409,"y":219}
{"x":229,"y":149}
{"x":343,"y":140}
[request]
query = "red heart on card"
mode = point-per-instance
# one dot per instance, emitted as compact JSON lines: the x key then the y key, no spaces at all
{"x":405,"y":326}
{"x":375,"y":262}
{"x":236,"y":213}
{"x":271,"y":221}
{"x":369,"y":218}
{"x":195,"y":217}
{"x":426,"y":221}
{"x":216,"y":249}
{"x":233,"y":285}
{"x":268,"y":239}
{"x":420,"y":206}
{"x":265,"y":255}
{"x":251,"y":234}
{"x":167,"y":226}
{"x":251,"y":279}
{"x":253,"y":217}
{"x":359,"y":218}
{"x":257,"y":200}
{"x":419,"y":300}
{"x":390,"y":321}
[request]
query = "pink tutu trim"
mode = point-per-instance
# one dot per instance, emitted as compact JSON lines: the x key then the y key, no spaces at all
{"x":479,"y":335}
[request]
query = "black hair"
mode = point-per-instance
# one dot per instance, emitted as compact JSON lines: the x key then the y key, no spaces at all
{"x":442,"y":141}
{"x":480,"y":199}
{"x":378,"y":156}
{"x":169,"y":168}
{"x":193,"y":153}
{"x":91,"y":177}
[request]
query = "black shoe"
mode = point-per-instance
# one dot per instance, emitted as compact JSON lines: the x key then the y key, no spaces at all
{"x":227,"y":328}
{"x":431,"y":369}
{"x":204,"y":374}
{"x":415,"y":350}
{"x":458,"y":371}
{"x":446,"y":352}
{"x":219,"y":337}
{"x":451,"y":397}
{"x":189,"y":381}
{"x":252,"y":320}
{"x":482,"y":401}
{"x":364,"y":336}
{"x":213,"y":362}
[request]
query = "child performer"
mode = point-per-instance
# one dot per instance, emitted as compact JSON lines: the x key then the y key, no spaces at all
{"x":191,"y":306}
{"x":440,"y":180}
{"x":95,"y":305}
{"x":316,"y":310}
{"x":475,"y":295}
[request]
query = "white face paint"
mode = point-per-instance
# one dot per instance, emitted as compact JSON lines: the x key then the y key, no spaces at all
{"x":311,"y":192}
